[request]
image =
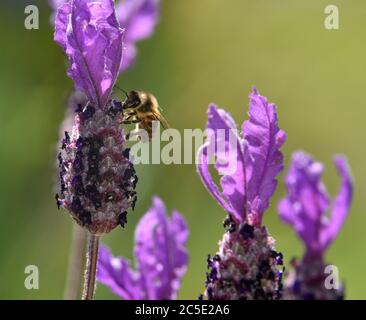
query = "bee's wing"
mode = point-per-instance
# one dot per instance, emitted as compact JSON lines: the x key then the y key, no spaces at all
{"x":162,"y":120}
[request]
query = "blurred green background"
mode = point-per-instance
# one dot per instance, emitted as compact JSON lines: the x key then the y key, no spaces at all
{"x":203,"y":51}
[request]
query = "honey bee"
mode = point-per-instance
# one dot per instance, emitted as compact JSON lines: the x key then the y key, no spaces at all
{"x":142,"y":108}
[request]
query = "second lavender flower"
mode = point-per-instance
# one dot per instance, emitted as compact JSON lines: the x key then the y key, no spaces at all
{"x":246,"y":265}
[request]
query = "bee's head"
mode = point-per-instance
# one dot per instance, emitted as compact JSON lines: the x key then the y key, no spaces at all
{"x":133,"y":100}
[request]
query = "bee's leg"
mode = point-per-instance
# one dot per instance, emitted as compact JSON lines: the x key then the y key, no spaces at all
{"x":130,"y":121}
{"x":130,"y":118}
{"x":127,"y":115}
{"x":129,"y":112}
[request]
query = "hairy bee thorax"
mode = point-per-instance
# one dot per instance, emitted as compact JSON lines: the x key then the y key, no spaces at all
{"x":97,"y":180}
{"x":142,"y":108}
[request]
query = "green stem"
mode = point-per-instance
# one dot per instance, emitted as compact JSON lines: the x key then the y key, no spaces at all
{"x":91,"y":267}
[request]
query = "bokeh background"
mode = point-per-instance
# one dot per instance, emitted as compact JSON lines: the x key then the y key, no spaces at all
{"x":203,"y":51}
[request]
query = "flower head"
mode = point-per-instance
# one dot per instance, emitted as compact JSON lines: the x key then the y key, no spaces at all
{"x":91,"y":37}
{"x":97,"y":180}
{"x":246,"y":265}
{"x":305,"y":209}
{"x":137,"y":17}
{"x":161,"y":258}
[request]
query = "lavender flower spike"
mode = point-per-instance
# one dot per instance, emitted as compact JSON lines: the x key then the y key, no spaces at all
{"x":246,"y":265}
{"x":161,"y":258}
{"x":97,"y":180}
{"x":304,"y":209}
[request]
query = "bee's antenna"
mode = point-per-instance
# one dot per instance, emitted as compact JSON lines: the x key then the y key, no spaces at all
{"x":124,"y":91}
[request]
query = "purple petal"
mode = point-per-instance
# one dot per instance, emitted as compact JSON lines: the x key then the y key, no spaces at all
{"x":224,"y":144}
{"x":129,"y":55}
{"x":61,"y":24}
{"x":89,"y":33}
{"x":160,"y":251}
{"x":179,"y":228}
{"x":264,"y":139}
{"x":250,"y":165}
{"x":180,"y":259}
{"x":55,"y":4}
{"x":139,"y":18}
{"x":288,"y":213}
{"x":307,"y":202}
{"x":115,"y":272}
{"x":341,"y":204}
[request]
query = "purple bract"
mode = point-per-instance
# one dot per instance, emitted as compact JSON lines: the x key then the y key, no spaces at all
{"x":161,"y":258}
{"x":137,"y":17}
{"x":248,"y":164}
{"x":307,"y":202}
{"x":305,"y":208}
{"x":91,"y":37}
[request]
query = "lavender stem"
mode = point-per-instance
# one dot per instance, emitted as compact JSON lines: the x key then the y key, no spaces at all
{"x":73,"y":289}
{"x":91,"y":267}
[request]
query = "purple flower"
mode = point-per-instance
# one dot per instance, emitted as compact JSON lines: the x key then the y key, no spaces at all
{"x":307,"y":202}
{"x":305,"y":209}
{"x":161,"y":258}
{"x":246,"y":265}
{"x":97,"y":180}
{"x":91,"y":37}
{"x":55,"y":4}
{"x":248,"y":164}
{"x":137,"y":17}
